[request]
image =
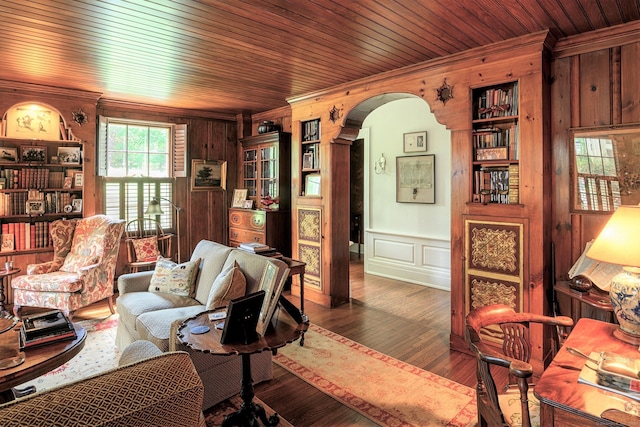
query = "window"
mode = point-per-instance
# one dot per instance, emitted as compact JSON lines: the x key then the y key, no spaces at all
{"x":606,"y":169}
{"x":139,"y":161}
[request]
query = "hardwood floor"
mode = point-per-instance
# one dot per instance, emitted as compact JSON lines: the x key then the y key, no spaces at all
{"x":406,"y":321}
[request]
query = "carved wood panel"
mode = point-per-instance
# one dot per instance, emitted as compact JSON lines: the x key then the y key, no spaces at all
{"x":309,"y":245}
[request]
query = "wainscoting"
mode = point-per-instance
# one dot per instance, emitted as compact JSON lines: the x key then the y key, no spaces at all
{"x":420,"y":260}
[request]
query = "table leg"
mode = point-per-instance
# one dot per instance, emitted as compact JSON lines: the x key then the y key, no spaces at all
{"x":3,"y":298}
{"x":246,"y":415}
{"x":305,"y":318}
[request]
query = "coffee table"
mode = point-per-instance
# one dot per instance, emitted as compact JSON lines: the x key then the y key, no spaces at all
{"x":283,"y":330}
{"x":40,"y":360}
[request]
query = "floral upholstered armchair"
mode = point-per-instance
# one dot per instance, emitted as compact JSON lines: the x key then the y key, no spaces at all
{"x":82,"y":270}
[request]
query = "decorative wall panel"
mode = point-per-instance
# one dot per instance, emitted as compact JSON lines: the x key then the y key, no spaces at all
{"x":309,"y":245}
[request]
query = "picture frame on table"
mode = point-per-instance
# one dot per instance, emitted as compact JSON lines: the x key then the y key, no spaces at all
{"x":68,"y":183}
{"x":239,"y":197}
{"x":8,"y":155}
{"x":248,"y":204}
{"x":69,"y":155}
{"x":415,"y":179}
{"x":208,"y":175}
{"x":33,"y":154}
{"x":272,"y":287}
{"x":415,"y":142}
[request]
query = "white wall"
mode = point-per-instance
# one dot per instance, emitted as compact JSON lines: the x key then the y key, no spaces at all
{"x":406,"y":241}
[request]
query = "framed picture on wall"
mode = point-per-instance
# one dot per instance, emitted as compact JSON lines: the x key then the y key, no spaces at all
{"x":415,"y":179}
{"x":239,"y":197}
{"x":208,"y":175}
{"x":415,"y":142}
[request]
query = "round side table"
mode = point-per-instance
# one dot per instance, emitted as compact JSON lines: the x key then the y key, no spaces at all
{"x":5,"y":282}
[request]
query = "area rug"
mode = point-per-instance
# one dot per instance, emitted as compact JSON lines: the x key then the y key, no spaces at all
{"x":100,"y":354}
{"x":386,"y":390}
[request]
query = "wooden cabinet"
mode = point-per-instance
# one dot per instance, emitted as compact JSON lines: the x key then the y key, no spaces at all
{"x":495,"y":145}
{"x":268,"y":227}
{"x":265,"y":171}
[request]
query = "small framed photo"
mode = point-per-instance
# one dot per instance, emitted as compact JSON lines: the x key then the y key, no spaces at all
{"x":415,"y":142}
{"x":7,"y":242}
{"x":68,"y":182}
{"x":307,"y":161}
{"x":32,"y":153}
{"x":69,"y":155}
{"x":8,"y":155}
{"x":248,"y":204}
{"x":208,"y":175}
{"x":415,"y":179}
{"x":239,"y":197}
{"x":34,"y":207}
{"x":77,"y":179}
{"x":76,"y":205}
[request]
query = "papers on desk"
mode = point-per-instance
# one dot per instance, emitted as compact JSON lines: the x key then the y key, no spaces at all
{"x":592,"y":376}
{"x":600,"y":273}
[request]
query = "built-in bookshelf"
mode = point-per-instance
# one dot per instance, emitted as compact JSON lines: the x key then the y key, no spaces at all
{"x":41,"y":180}
{"x":310,"y":161}
{"x":495,"y":144}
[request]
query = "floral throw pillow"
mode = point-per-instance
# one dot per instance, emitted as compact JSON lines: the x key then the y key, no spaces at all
{"x":171,"y":278}
{"x":229,"y":284}
{"x":146,"y":249}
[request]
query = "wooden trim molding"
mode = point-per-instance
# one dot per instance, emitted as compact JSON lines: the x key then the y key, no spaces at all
{"x":605,"y":38}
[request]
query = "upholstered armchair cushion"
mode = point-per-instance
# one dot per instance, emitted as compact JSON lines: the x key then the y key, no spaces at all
{"x":61,"y":232}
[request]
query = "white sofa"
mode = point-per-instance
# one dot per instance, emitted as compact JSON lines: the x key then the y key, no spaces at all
{"x":154,"y":317}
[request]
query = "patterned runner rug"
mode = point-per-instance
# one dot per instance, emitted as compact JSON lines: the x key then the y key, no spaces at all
{"x":385,"y":390}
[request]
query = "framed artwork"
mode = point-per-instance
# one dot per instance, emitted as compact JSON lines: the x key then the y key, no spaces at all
{"x":8,"y":155}
{"x":32,"y":153}
{"x":248,"y":204}
{"x":415,"y":142}
{"x":312,"y":184}
{"x":31,"y":121}
{"x":307,"y":161}
{"x":69,"y":155}
{"x":208,"y":175}
{"x":272,"y":288}
{"x":68,"y":182}
{"x":34,"y":207}
{"x":7,"y":242}
{"x":78,"y":178}
{"x":239,"y":197}
{"x":415,"y":179}
{"x":76,"y":205}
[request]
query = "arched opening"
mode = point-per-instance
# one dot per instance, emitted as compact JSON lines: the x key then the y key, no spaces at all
{"x":409,"y":242}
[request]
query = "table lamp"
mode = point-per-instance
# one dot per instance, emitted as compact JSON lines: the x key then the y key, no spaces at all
{"x":619,"y":243}
{"x":155,"y":209}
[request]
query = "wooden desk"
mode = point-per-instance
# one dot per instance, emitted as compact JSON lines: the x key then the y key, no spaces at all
{"x":565,"y":402}
{"x":40,"y":360}
{"x":594,"y":297}
{"x":283,"y":331}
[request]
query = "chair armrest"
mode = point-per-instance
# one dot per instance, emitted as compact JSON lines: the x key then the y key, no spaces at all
{"x":134,"y":282}
{"x":137,"y":351}
{"x":45,"y":267}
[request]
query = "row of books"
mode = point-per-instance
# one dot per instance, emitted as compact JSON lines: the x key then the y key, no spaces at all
{"x":495,"y":137}
{"x":497,"y":102}
{"x":45,"y":328}
{"x":16,"y":203}
{"x":497,"y":185}
{"x":27,"y":178}
{"x":24,"y":235}
{"x":260,"y":249}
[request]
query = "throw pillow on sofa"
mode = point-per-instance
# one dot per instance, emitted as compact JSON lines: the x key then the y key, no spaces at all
{"x":229,"y":284}
{"x":172,"y":278}
{"x":146,"y":248}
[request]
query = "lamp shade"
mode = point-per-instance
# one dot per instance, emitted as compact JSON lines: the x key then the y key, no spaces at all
{"x":619,"y":241}
{"x":154,"y":208}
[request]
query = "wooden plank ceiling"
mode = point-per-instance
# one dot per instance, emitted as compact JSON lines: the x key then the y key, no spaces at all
{"x":249,"y":56}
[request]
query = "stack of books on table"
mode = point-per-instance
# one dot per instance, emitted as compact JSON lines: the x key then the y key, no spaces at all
{"x":44,"y":328}
{"x":260,"y":249}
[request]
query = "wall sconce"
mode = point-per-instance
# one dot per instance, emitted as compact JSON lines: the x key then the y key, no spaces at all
{"x":379,"y":166}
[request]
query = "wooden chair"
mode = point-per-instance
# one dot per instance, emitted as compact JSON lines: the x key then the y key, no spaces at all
{"x":514,"y":406}
{"x":146,"y":240}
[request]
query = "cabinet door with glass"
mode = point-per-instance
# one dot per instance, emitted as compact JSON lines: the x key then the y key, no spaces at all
{"x":266,"y":170}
